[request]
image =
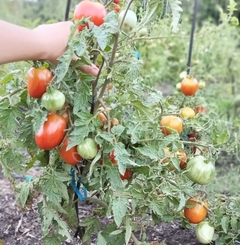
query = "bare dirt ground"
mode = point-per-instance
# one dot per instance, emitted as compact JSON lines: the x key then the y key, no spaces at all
{"x":18,"y":227}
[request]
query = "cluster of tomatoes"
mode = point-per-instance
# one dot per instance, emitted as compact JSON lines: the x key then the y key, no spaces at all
{"x":199,"y":169}
{"x":52,"y":133}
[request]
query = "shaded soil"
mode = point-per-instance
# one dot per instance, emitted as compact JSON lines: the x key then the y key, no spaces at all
{"x":19,"y":227}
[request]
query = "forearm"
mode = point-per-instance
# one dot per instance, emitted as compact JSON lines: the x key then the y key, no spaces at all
{"x":18,"y":43}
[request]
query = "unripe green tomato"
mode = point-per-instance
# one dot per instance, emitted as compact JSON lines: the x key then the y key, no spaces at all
{"x":201,"y":84}
{"x":53,"y":99}
{"x":87,"y":149}
{"x":178,"y":86}
{"x":199,"y":170}
{"x":129,"y":22}
{"x":204,"y":232}
{"x":143,"y":32}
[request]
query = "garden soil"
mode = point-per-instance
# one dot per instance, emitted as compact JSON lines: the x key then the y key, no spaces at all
{"x":22,"y":227}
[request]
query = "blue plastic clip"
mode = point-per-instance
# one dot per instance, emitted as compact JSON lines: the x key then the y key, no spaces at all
{"x":82,"y":196}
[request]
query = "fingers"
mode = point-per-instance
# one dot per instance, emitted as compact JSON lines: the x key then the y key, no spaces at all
{"x":89,"y":69}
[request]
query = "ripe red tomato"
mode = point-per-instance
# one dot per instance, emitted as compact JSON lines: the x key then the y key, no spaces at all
{"x":112,"y":157}
{"x":95,"y":10}
{"x":117,"y":8}
{"x":198,"y":212}
{"x":189,"y":86}
{"x":70,"y":156}
{"x":127,"y":175}
{"x":52,"y":132}
{"x":169,"y":123}
{"x":201,"y":109}
{"x":116,"y":1}
{"x":37,"y":81}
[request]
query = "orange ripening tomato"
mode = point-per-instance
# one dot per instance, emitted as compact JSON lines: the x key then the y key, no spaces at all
{"x":127,"y":175}
{"x":114,"y":122}
{"x":102,"y":118}
{"x":170,"y":123}
{"x":70,"y":156}
{"x":37,"y":81}
{"x":51,"y":132}
{"x":95,"y":10}
{"x":110,"y":86}
{"x":189,"y":86}
{"x":180,"y":154}
{"x":197,"y":212}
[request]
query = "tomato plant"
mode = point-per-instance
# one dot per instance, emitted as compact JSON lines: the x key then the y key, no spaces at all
{"x":51,"y":132}
{"x":204,"y":232}
{"x":71,"y":155}
{"x":87,"y":148}
{"x":95,"y":10}
{"x":121,"y":133}
{"x":200,"y":170}
{"x":189,"y":86}
{"x":171,"y":123}
{"x":197,"y":210}
{"x":37,"y":81}
{"x":53,"y":99}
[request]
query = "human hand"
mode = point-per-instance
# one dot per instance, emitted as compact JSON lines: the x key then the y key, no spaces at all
{"x":53,"y":39}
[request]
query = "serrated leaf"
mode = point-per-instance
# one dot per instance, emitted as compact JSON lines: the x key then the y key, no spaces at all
{"x":144,"y":110}
{"x":121,"y":156}
{"x":119,"y":208}
{"x":128,"y":231}
{"x":39,"y":118}
{"x":148,"y":151}
{"x":117,"y":130}
{"x":116,"y":232}
{"x":101,"y":36}
{"x":176,"y":13}
{"x":234,"y":223}
{"x":225,"y":223}
{"x":23,"y":190}
{"x":154,"y":9}
{"x":116,"y":240}
{"x":101,"y":240}
{"x":52,"y":240}
{"x":182,"y":202}
{"x":113,"y":175}
{"x":156,"y":207}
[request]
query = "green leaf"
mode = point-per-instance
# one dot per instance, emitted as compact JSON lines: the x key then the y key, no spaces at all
{"x":23,"y":190}
{"x":113,"y":240}
{"x":118,"y":130}
{"x":113,"y":175}
{"x":128,"y":230}
{"x":149,"y":151}
{"x":122,"y":157}
{"x":144,"y":110}
{"x":119,"y":208}
{"x":154,"y":9}
{"x":10,"y":118}
{"x":234,"y":223}
{"x":101,"y":240}
{"x":101,"y":36}
{"x":39,"y":118}
{"x":176,"y":13}
{"x":225,"y":223}
{"x":52,"y":240}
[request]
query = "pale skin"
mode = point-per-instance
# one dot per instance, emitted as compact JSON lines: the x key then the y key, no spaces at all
{"x":45,"y":42}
